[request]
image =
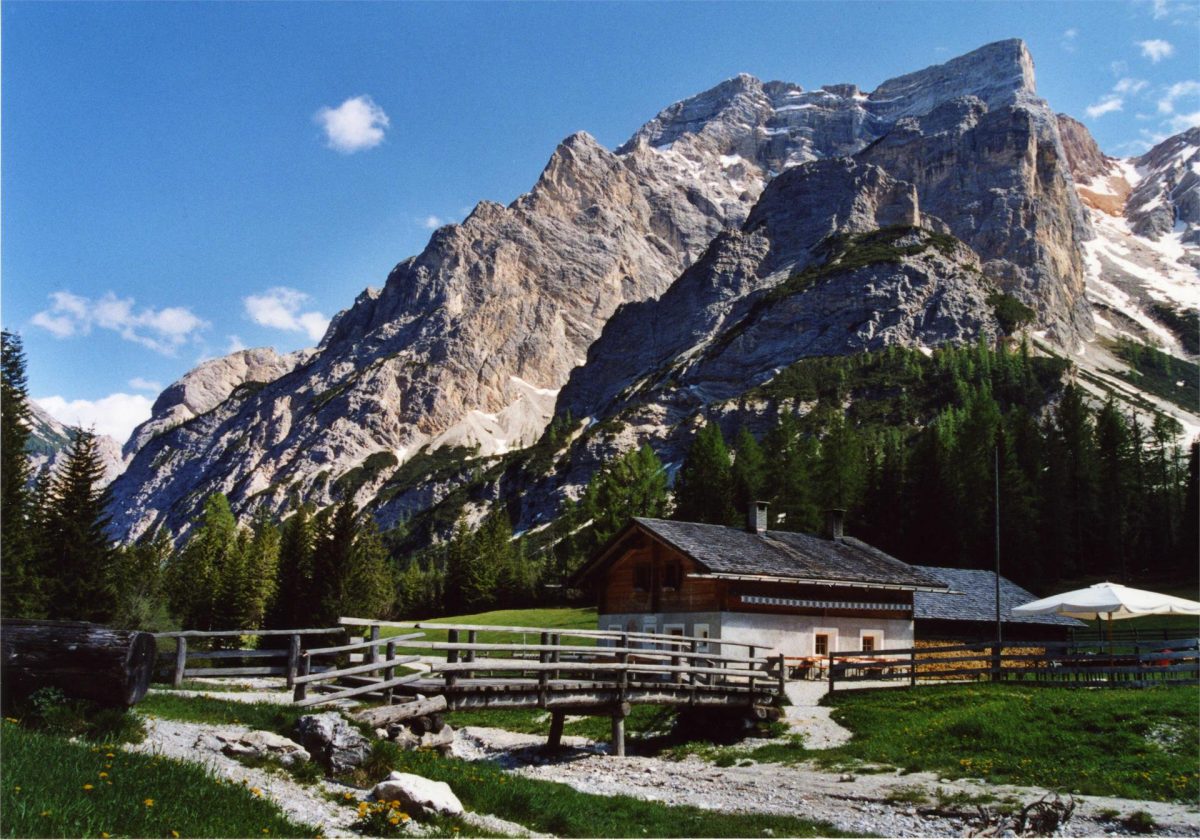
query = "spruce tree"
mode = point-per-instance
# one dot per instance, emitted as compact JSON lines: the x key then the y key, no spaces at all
{"x":791,"y":458}
{"x":749,"y":471}
{"x":195,"y":578}
{"x":369,"y":589}
{"x":294,"y":575}
{"x":22,"y":592}
{"x":138,"y":583}
{"x":74,"y":547}
{"x":704,"y":485}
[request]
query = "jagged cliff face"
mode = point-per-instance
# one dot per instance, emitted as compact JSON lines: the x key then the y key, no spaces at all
{"x":469,"y":342}
{"x":50,"y":443}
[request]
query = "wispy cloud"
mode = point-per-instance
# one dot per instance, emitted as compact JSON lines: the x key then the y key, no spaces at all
{"x":356,"y":124}
{"x":1106,"y":105}
{"x":1069,"y":40}
{"x":1182,"y":122}
{"x":140,"y":384}
{"x":161,"y":330}
{"x":280,"y":308}
{"x":116,"y":415}
{"x":1130,"y":86}
{"x":432,"y":222}
{"x":1175,"y":92}
{"x":235,"y":345}
{"x":1156,"y":49}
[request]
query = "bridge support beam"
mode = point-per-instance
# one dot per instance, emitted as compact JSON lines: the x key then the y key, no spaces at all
{"x":618,"y":734}
{"x":556,"y":730}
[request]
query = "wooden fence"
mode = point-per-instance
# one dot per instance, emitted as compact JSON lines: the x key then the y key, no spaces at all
{"x":1058,"y":663}
{"x":231,"y":662}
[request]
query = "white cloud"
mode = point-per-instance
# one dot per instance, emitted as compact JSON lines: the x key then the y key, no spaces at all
{"x":116,"y":415}
{"x":1106,"y":105}
{"x":1182,"y":122}
{"x":432,"y":222}
{"x":1156,"y":49}
{"x":1166,"y":105}
{"x":1161,"y":9}
{"x":356,"y":124}
{"x":140,"y":384}
{"x":235,"y":345}
{"x":162,"y":330}
{"x":1127,"y":85}
{"x":1068,"y":39}
{"x":280,"y":308}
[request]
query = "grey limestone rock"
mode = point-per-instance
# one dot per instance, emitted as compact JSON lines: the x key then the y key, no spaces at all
{"x":332,"y":741}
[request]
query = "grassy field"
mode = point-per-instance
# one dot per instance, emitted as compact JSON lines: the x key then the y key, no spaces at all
{"x":274,"y":717}
{"x":55,"y":788}
{"x":573,"y":618}
{"x":1139,"y":744}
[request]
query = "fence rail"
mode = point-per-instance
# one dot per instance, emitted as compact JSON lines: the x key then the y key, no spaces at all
{"x":1128,"y":665}
{"x":227,"y":662}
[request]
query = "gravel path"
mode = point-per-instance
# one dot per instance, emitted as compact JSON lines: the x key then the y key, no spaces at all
{"x":856,"y":804}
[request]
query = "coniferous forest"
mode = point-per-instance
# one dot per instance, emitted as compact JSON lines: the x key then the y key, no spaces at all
{"x":909,"y":443}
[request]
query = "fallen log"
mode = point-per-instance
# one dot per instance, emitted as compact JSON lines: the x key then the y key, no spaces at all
{"x":379,"y":718}
{"x":88,"y":661}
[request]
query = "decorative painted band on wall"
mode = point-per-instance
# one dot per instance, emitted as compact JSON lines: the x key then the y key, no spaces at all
{"x":823,"y":605}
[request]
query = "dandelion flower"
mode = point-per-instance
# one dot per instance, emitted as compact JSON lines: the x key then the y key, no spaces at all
{"x":256,"y":791}
{"x":266,"y":831}
{"x":12,"y":720}
{"x":174,"y":833}
{"x":149,"y":803}
{"x":347,"y":795}
{"x":88,"y":787}
{"x":110,"y":755}
{"x":16,"y":788}
{"x":103,"y":775}
{"x":394,"y":821}
{"x":44,"y":814}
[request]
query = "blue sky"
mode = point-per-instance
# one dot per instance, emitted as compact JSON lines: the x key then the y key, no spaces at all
{"x":183,"y":179}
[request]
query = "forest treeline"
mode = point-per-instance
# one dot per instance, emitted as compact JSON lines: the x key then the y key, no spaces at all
{"x":908,"y":443}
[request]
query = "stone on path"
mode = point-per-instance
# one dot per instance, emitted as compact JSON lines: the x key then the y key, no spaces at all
{"x":418,"y":795}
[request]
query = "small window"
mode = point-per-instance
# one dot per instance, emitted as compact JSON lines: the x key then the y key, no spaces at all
{"x":701,"y":631}
{"x":672,"y":575}
{"x":821,"y":644}
{"x":868,"y":643}
{"x":641,"y":577}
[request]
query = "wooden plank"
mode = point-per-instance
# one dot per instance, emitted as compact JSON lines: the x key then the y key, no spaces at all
{"x":363,"y":644}
{"x":236,"y":654}
{"x":384,"y":715}
{"x":355,"y":692}
{"x":518,"y":666}
{"x":534,"y":631}
{"x":212,"y":634}
{"x":277,"y":670}
{"x":583,"y":649}
{"x":358,"y":669}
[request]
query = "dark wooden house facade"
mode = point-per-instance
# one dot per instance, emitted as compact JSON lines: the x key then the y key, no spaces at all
{"x":797,"y":594}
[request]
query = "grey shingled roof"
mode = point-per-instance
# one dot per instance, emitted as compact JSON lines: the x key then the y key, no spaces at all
{"x":733,"y":551}
{"x":972,"y":597}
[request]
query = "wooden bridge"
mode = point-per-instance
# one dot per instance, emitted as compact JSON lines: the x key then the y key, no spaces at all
{"x":561,"y":670}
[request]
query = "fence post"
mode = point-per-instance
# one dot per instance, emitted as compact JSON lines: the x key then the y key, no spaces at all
{"x":912,"y":665}
{"x":543,"y":675}
{"x":555,"y":640}
{"x":389,"y":672}
{"x":623,"y":673}
{"x":293,"y":659}
{"x":180,"y":660}
{"x":301,"y":690}
{"x":996,"y":646}
{"x":782,"y":677}
{"x":373,"y":651}
{"x":451,"y":656}
{"x":618,"y":733}
{"x":830,"y":670}
{"x":469,"y":655}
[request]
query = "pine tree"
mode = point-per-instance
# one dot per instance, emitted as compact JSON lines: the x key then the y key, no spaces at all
{"x":294,"y":576}
{"x":789,"y":477}
{"x":369,"y":589}
{"x":749,"y":471}
{"x":331,"y":561}
{"x":74,"y":543}
{"x":21,"y":584}
{"x":200,"y":570}
{"x":138,"y":581}
{"x":704,"y":485}
{"x":840,"y":475}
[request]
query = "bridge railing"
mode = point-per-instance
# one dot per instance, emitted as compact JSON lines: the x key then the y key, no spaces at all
{"x":495,"y":658}
{"x":226,"y":661}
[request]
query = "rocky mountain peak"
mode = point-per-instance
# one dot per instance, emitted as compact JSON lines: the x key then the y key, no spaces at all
{"x":1166,"y":199}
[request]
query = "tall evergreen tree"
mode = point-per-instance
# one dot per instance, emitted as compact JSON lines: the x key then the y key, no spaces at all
{"x":74,"y":544}
{"x":791,"y":459}
{"x":292,"y":604}
{"x":840,"y":474}
{"x":21,"y":583}
{"x":704,"y":484}
{"x":749,"y":471}
{"x":138,"y":584}
{"x":196,"y":575}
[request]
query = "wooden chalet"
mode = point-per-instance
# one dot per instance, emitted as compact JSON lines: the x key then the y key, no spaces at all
{"x":798,"y":594}
{"x":967,"y":612}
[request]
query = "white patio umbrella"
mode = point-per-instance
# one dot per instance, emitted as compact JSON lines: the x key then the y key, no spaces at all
{"x":1112,"y":601}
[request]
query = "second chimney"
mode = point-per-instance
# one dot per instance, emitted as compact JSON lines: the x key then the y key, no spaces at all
{"x":756,"y":518}
{"x":835,"y":522}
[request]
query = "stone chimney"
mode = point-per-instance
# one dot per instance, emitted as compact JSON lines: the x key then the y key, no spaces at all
{"x":756,"y":518}
{"x":835,"y":522}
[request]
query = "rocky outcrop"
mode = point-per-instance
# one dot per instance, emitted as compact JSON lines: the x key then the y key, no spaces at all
{"x":1167,"y":197}
{"x":332,"y":742}
{"x":49,"y":444}
{"x":1083,"y":155}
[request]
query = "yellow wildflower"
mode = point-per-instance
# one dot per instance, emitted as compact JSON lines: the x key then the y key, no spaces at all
{"x":405,"y":816}
{"x":87,"y":787}
{"x":149,"y":803}
{"x":256,"y":791}
{"x":266,"y":831}
{"x":105,"y":834}
{"x":16,"y":788}
{"x":174,"y":833}
{"x":394,"y":821}
{"x":110,"y":755}
{"x":347,"y":795}
{"x":44,"y":814}
{"x":12,"y":720}
{"x":103,"y":775}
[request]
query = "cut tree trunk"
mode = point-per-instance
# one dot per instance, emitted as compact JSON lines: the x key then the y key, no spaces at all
{"x":381,"y":717}
{"x":111,"y":667}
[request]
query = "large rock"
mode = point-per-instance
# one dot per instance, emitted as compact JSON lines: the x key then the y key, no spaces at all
{"x":418,"y":795}
{"x":334,"y":744}
{"x":253,"y":744}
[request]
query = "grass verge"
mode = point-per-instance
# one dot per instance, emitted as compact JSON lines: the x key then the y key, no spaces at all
{"x":54,"y":788}
{"x":563,"y":618}
{"x":1138,"y":744}
{"x":275,"y":717}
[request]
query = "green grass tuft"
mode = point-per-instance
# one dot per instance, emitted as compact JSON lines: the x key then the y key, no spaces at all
{"x":44,"y":795}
